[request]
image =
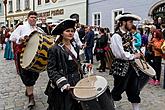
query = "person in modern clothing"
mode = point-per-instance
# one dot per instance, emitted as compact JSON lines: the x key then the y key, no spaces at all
{"x":156,"y":43}
{"x":76,"y":35}
{"x":89,"y":44}
{"x":137,"y":38}
{"x":63,"y":68}
{"x":81,"y":32}
{"x":144,"y":38}
{"x":20,"y":35}
{"x":163,"y":30}
{"x":44,"y":26}
{"x":101,"y":43}
{"x":125,"y":76}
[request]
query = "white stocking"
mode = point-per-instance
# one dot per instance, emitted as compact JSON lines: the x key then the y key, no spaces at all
{"x":135,"y":106}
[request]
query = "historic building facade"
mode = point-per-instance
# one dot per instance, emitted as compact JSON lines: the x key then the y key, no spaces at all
{"x":2,"y":17}
{"x":60,"y":9}
{"x":17,"y":10}
{"x":103,"y":12}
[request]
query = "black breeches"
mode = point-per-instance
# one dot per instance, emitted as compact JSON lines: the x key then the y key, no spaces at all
{"x":129,"y":84}
{"x":29,"y":77}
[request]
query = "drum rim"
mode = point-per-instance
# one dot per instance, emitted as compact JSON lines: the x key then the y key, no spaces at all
{"x":30,"y":63}
{"x":151,"y":75}
{"x":94,"y":97}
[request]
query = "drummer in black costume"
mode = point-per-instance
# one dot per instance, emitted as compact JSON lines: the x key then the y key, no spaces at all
{"x":125,"y":76}
{"x":63,"y":69}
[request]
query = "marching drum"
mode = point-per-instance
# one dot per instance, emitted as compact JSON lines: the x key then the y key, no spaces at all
{"x":34,"y":54}
{"x":146,"y":71}
{"x":145,"y":67}
{"x":93,"y":93}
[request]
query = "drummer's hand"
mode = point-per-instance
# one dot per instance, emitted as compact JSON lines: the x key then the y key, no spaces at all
{"x":65,"y":87}
{"x":21,"y":39}
{"x":44,"y":34}
{"x":85,"y":45}
{"x":137,"y":55}
{"x":82,"y":46}
{"x":26,"y":37}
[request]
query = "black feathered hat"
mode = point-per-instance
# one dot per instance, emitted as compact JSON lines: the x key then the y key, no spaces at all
{"x":65,"y":24}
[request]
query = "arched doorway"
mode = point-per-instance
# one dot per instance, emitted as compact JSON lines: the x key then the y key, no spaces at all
{"x":158,"y":11}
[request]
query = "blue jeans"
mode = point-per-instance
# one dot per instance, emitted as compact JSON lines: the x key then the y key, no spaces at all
{"x":89,"y":54}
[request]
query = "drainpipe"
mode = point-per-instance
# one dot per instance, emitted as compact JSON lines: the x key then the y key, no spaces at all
{"x":33,"y":5}
{"x":5,"y":7}
{"x":87,"y":2}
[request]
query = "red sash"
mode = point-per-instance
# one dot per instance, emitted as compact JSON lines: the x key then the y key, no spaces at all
{"x":17,"y":48}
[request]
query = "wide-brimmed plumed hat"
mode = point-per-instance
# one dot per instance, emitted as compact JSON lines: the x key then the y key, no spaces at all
{"x":62,"y":26}
{"x":127,"y":16}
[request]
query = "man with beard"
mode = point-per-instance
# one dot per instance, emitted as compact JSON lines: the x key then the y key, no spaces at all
{"x":125,"y":76}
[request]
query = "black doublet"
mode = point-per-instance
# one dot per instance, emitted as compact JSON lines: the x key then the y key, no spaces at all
{"x":119,"y":66}
{"x":60,"y":66}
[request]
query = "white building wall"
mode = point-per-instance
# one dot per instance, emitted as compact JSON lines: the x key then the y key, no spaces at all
{"x":106,"y":7}
{"x":69,"y":7}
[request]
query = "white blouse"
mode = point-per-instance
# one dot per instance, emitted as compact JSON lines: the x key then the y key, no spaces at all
{"x":23,"y":30}
{"x":73,"y":52}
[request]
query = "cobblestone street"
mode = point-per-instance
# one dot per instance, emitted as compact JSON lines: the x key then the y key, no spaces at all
{"x":12,"y":91}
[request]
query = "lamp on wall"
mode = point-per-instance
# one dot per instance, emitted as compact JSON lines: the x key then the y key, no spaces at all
{"x":5,"y":3}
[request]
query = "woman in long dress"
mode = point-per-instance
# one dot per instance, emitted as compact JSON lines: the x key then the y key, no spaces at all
{"x":8,"y":54}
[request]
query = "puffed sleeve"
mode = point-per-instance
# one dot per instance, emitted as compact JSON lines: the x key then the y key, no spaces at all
{"x":55,"y":69}
{"x":118,"y":49}
{"x":16,"y":35}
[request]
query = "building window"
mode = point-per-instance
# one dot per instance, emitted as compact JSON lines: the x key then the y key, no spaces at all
{"x":117,"y":13}
{"x":18,"y":7}
{"x":114,"y":14}
{"x":10,"y":6}
{"x":27,"y":4}
{"x":39,"y":2}
{"x":96,"y":19}
{"x":47,"y":1}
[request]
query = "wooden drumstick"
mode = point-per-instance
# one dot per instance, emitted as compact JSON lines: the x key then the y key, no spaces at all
{"x":81,"y":87}
{"x":142,"y":64}
{"x":144,"y":59}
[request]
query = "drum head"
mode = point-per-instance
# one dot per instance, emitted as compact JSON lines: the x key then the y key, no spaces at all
{"x":90,"y":88}
{"x":149,"y":71}
{"x":30,"y":49}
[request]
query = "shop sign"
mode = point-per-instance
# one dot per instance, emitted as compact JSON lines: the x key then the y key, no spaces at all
{"x":57,"y":12}
{"x":52,"y":13}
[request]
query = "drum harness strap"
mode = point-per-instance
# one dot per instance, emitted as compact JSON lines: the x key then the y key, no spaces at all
{"x":75,"y":60}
